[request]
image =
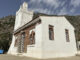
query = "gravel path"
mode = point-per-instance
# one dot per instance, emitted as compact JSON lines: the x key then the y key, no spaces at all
{"x":11,"y":57}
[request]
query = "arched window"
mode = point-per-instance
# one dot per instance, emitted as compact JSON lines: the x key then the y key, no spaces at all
{"x":32,"y":37}
{"x":16,"y":41}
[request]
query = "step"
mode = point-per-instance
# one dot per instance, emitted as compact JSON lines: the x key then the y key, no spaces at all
{"x":78,"y":53}
{"x":19,"y":54}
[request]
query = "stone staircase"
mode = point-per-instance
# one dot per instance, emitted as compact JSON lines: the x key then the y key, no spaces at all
{"x":78,"y":53}
{"x":20,"y":54}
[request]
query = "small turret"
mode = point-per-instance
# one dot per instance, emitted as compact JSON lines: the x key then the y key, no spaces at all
{"x":24,"y":6}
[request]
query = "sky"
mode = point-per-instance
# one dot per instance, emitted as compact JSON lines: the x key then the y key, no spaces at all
{"x":52,"y":7}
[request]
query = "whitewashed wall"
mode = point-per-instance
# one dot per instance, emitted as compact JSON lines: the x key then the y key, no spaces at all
{"x":45,"y":48}
{"x":23,"y":16}
{"x":32,"y":50}
{"x":36,"y":49}
{"x":12,"y":49}
{"x":57,"y":47}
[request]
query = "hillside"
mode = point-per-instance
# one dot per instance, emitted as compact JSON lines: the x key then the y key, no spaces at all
{"x":6,"y":29}
{"x":7,"y":25}
{"x":75,"y":21}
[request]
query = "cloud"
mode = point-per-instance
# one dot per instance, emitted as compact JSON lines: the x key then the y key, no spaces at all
{"x":54,"y":3}
{"x":60,"y":7}
{"x":72,"y":10}
{"x":41,"y":10}
{"x":63,"y":11}
{"x":34,"y":1}
{"x":63,"y":3}
{"x":75,"y":3}
{"x":44,"y":6}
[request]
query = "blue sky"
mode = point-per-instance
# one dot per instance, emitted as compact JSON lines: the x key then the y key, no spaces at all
{"x":55,"y":7}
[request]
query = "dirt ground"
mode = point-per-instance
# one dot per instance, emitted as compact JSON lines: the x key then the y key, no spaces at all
{"x":11,"y":57}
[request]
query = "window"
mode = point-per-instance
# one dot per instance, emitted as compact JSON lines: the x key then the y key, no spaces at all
{"x":67,"y":35}
{"x":51,"y":32}
{"x":23,"y":36}
{"x":32,"y":38}
{"x":22,"y":42}
{"x":16,"y":41}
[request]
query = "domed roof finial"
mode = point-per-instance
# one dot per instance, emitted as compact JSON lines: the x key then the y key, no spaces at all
{"x":25,"y":5}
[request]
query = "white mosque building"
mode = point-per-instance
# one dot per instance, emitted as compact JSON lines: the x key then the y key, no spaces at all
{"x":42,"y":37}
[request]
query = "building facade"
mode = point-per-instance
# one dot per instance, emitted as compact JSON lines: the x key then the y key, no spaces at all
{"x":42,"y":37}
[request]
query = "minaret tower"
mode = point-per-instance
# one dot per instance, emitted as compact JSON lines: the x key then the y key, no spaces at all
{"x":23,"y":16}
